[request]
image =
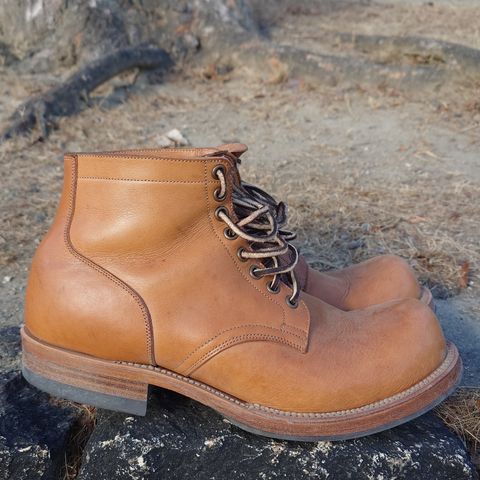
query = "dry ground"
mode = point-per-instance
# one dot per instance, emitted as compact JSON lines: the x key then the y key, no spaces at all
{"x":365,"y":169}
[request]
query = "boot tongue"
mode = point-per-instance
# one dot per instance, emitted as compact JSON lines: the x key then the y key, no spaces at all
{"x":236,"y":149}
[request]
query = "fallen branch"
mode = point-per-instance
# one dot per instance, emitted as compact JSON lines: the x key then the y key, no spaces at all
{"x":331,"y":69}
{"x":436,"y":51}
{"x":71,"y":96}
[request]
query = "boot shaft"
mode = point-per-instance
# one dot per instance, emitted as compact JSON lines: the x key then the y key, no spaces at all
{"x":137,"y":257}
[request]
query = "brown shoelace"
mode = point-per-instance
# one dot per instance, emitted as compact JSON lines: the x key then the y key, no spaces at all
{"x":260,"y":218}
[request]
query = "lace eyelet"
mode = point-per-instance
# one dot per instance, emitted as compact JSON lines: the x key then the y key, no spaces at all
{"x":216,"y":193}
{"x":218,"y":197}
{"x":229,"y":234}
{"x":289,"y":302}
{"x":273,"y":290}
{"x":217,"y":168}
{"x":219,"y":210}
{"x":239,"y":254}
{"x":254,"y":272}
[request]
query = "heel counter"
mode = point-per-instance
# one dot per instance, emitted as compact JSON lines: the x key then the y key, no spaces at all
{"x":73,"y":303}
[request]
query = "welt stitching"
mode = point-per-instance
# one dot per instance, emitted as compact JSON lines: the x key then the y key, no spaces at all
{"x":98,"y":268}
{"x":235,"y":328}
{"x":339,"y":413}
{"x":143,"y":180}
{"x":239,"y":339}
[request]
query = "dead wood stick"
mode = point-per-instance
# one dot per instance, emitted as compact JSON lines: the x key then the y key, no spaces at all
{"x":440,"y":50}
{"x":69,"y":97}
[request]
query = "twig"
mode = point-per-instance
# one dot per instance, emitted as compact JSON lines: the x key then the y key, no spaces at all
{"x":71,"y":96}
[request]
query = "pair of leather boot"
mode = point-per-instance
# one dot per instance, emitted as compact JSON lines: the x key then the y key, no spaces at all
{"x":163,"y":268}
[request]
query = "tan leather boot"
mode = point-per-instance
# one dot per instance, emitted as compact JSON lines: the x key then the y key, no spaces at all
{"x":375,"y":281}
{"x":147,"y":276}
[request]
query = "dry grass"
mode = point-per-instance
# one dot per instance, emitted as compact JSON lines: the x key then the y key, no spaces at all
{"x":79,"y":436}
{"x":461,"y":413}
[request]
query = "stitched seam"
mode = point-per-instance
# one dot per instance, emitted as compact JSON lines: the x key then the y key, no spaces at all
{"x":143,"y":180}
{"x":307,"y":312}
{"x":289,"y":326}
{"x":247,"y":325}
{"x":236,"y":340}
{"x":146,"y":157}
{"x":167,"y":149}
{"x":68,"y":243}
{"x":398,"y":396}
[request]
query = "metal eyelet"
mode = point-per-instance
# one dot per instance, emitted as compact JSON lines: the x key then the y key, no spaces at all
{"x":239,"y":254}
{"x":216,"y":169}
{"x":273,"y":290}
{"x":254,"y":272}
{"x":290,"y":303}
{"x":219,"y":210}
{"x":229,"y":234}
{"x":218,"y":197}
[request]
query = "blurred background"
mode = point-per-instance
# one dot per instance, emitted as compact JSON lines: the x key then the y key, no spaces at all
{"x":363,"y":115}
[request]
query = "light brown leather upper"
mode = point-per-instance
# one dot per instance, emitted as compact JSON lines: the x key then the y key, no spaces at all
{"x":73,"y":303}
{"x":137,"y":268}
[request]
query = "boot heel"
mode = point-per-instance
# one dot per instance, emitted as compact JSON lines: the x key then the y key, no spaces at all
{"x":96,"y":382}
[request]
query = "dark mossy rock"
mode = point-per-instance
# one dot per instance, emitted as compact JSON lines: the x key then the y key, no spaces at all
{"x":181,"y":439}
{"x":34,"y":431}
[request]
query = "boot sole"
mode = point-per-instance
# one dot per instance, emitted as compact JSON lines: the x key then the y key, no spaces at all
{"x":124,"y":387}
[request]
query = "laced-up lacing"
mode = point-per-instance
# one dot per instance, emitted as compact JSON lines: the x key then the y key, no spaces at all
{"x":280,"y":208}
{"x":260,"y":226}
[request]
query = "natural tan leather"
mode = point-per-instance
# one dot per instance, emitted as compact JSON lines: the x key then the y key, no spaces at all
{"x":137,"y":268}
{"x":354,"y":358}
{"x":375,"y":281}
{"x":74,"y":303}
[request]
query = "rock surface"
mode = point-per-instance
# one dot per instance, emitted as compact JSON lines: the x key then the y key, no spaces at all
{"x":34,"y":432}
{"x":181,"y":439}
